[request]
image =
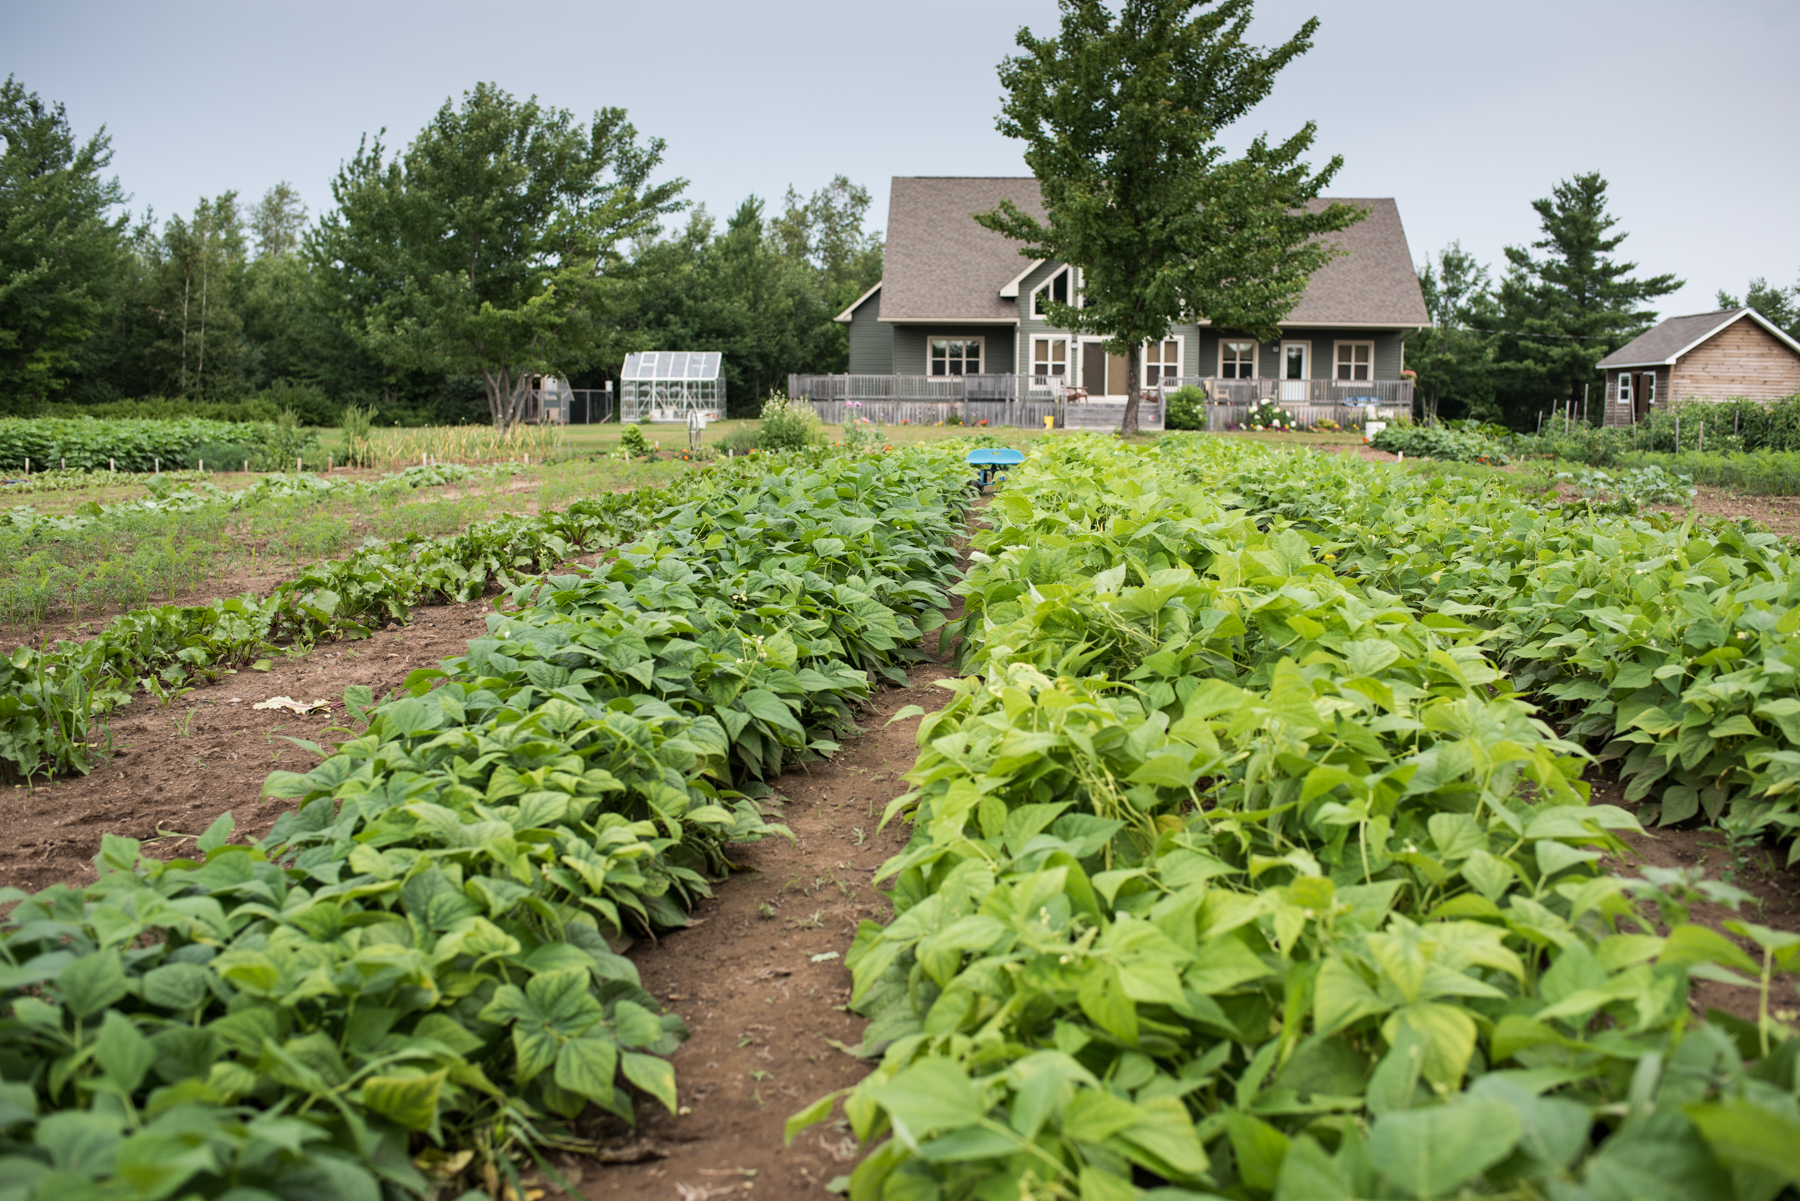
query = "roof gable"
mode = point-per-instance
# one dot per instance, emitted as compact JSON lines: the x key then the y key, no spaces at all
{"x":1666,"y":341}
{"x":941,"y":266}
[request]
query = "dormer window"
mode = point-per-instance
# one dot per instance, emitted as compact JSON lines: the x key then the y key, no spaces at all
{"x":1060,"y":287}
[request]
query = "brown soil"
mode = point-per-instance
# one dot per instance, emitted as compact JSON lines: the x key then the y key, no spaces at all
{"x":175,"y":769}
{"x":760,"y":980}
{"x":1760,"y":871}
{"x":1781,"y":514}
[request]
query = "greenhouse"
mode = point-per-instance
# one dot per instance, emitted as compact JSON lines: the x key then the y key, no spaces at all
{"x":667,"y":385}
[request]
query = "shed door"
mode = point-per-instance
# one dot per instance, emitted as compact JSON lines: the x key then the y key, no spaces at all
{"x":1643,"y":394}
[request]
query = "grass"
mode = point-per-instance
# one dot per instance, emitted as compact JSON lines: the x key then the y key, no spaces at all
{"x":131,"y":559}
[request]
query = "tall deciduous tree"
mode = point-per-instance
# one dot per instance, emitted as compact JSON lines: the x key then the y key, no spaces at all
{"x":1454,"y":359}
{"x":1120,"y":117}
{"x":1563,"y":312}
{"x":485,"y":248}
{"x":60,"y":243}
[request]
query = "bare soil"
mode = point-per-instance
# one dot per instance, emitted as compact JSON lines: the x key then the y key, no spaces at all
{"x":760,"y":980}
{"x":1781,"y":514}
{"x":174,"y":770}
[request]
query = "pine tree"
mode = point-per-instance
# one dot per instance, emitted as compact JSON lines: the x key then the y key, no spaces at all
{"x":60,"y":245}
{"x":1561,"y":313}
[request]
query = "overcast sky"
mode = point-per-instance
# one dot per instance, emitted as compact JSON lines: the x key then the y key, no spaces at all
{"x":1464,"y":112}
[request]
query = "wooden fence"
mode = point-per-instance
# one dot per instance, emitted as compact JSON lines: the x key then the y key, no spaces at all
{"x":995,"y":399}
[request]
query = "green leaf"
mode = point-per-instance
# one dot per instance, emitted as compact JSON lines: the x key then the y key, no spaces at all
{"x":933,"y":1094}
{"x":1744,"y":1134}
{"x":655,"y":1076}
{"x":812,"y":1115}
{"x":217,"y":834}
{"x":123,"y":1052}
{"x":1428,"y":1152}
{"x":411,"y":1101}
{"x":92,"y":983}
{"x":586,"y":1065}
{"x":1259,"y":1148}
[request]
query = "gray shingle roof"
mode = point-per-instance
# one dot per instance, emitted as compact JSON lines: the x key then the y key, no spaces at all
{"x":1663,"y":342}
{"x":940,"y":265}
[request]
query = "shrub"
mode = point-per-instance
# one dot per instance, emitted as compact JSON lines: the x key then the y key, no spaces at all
{"x":1269,"y":416}
{"x":788,"y":424}
{"x":742,"y":440}
{"x":357,"y":423}
{"x":633,"y":442}
{"x":308,"y":403}
{"x":1182,"y":409}
{"x":1470,"y":444}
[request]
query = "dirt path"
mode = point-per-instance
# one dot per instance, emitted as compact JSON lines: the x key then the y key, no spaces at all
{"x":761,"y":982}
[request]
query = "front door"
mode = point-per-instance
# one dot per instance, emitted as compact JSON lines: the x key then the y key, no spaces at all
{"x":1295,"y":363}
{"x":1103,"y":375}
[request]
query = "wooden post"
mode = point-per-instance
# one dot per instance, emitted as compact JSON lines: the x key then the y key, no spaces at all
{"x":1584,"y":404}
{"x":1678,"y":435}
{"x":1703,"y":435}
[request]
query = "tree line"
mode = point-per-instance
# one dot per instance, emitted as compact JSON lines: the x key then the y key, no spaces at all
{"x":507,"y":239}
{"x":1528,"y":343}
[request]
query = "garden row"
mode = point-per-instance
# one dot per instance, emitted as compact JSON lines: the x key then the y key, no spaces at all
{"x":411,"y":985}
{"x":1240,"y":868}
{"x":141,"y":444}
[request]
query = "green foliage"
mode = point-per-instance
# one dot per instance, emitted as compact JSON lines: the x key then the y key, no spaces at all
{"x":1469,"y":444}
{"x":422,"y":949}
{"x":1120,"y":116}
{"x":1453,"y":358}
{"x":1632,"y":488}
{"x":510,"y":288}
{"x":355,"y":424}
{"x":743,"y":439}
{"x":1269,"y":416}
{"x":138,"y":445}
{"x":1768,"y":473}
{"x":1239,"y":864}
{"x":60,"y":250}
{"x":788,"y":424}
{"x":633,"y":442}
{"x":1183,"y":409}
{"x":1780,"y":305}
{"x":1562,"y":312}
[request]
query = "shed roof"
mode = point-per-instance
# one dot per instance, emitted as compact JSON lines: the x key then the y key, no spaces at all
{"x":671,"y":365}
{"x":941,"y":266}
{"x":1668,"y":340}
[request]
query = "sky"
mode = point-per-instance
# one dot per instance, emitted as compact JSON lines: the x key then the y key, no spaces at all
{"x":1463,"y":112}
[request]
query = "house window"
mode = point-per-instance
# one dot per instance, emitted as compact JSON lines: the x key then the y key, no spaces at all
{"x":1649,"y":387}
{"x":1237,"y":360}
{"x":1056,"y":288}
{"x":1355,"y":360}
{"x":1049,"y":357}
{"x":1624,"y":387}
{"x":956,"y":356}
{"x":1162,"y":362}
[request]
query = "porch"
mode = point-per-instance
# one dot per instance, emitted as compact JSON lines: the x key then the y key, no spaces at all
{"x":991,"y":398}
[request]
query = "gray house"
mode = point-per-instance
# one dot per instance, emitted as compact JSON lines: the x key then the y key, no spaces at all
{"x":958,"y":300}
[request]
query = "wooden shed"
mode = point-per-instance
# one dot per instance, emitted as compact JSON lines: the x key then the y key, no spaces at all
{"x":1706,"y":356}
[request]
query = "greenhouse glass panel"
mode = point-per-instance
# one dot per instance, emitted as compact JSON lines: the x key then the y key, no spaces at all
{"x":667,"y":385}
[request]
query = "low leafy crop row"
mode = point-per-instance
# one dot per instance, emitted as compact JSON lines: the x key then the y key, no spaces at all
{"x":131,"y":444}
{"x":189,"y":493}
{"x":411,"y":985}
{"x":1239,"y":868}
{"x":1442,"y":442}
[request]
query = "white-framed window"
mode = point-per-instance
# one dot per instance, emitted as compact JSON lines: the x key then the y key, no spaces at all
{"x":1649,"y":387}
{"x":1624,"y":387}
{"x":1162,"y":362}
{"x":1237,"y":359}
{"x":1050,"y":357}
{"x":1296,"y":360}
{"x":955,"y":356}
{"x":1354,"y":360}
{"x":1060,"y":287}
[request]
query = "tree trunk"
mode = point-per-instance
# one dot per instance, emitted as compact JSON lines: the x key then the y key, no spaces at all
{"x":1128,"y":425}
{"x":505,"y":396}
